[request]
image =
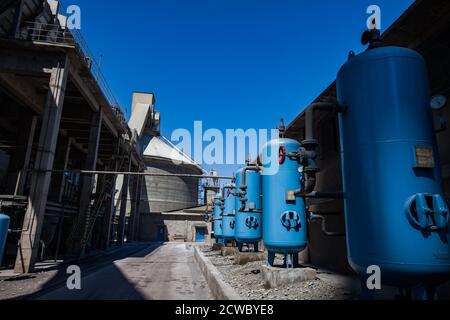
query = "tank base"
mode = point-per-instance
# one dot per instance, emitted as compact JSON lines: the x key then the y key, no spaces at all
{"x":277,"y":277}
{"x":290,"y":260}
{"x":255,"y":246}
{"x":428,"y":293}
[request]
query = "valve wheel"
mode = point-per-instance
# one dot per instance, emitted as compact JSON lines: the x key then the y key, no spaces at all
{"x":282,"y":154}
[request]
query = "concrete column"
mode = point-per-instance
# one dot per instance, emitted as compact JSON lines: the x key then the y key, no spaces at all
{"x":135,"y":192}
{"x":123,"y":206}
{"x":87,"y":182}
{"x":110,"y":210}
{"x":21,"y":186}
{"x":40,"y":179}
{"x":66,"y":161}
{"x":17,"y":20}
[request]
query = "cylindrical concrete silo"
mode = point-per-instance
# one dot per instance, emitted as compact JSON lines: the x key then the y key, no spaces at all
{"x":164,"y":194}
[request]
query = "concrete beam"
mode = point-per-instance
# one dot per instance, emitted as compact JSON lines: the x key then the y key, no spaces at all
{"x":21,"y":91}
{"x":27,"y":62}
{"x":40,"y":179}
{"x":79,"y":82}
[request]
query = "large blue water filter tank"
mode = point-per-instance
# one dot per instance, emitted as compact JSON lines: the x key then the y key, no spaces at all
{"x":228,"y":217}
{"x":4,"y":226}
{"x":249,"y":218}
{"x":217,"y":217}
{"x":284,"y":223}
{"x":396,"y":217}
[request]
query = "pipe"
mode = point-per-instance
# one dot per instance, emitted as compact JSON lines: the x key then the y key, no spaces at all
{"x":308,"y":151}
{"x":230,"y":187}
{"x":243,"y":188}
{"x":310,"y":141}
{"x":91,"y":172}
{"x":313,"y":217}
{"x":324,"y":195}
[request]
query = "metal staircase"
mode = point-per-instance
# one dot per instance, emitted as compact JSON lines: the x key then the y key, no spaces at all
{"x":97,"y":205}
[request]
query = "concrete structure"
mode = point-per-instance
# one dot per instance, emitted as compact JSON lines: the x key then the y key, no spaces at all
{"x":57,"y":113}
{"x":241,"y":258}
{"x":219,"y":288}
{"x":169,"y":193}
{"x":169,"y":205}
{"x":180,"y":225}
{"x":277,"y":277}
{"x":423,"y":27}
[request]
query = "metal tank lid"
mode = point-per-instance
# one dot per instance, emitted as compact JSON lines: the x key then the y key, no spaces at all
{"x":379,"y":54}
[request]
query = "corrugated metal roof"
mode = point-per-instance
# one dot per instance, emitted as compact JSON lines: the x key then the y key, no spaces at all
{"x":160,"y":147}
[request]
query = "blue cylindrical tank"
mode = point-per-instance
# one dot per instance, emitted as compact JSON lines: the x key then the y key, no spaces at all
{"x":4,"y":226}
{"x":217,"y":217}
{"x":284,"y":223}
{"x":395,"y":215}
{"x":249,"y":219}
{"x":228,"y":217}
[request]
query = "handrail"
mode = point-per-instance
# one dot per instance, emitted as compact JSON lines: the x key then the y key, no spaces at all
{"x":57,"y":34}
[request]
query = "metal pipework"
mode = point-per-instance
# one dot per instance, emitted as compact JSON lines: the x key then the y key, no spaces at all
{"x":228,"y":187}
{"x":324,"y":195}
{"x":243,"y":189}
{"x":310,"y":142}
{"x":307,"y":154}
{"x":313,"y":217}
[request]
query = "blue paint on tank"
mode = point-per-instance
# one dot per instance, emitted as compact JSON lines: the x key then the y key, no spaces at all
{"x":249,"y":219}
{"x":218,"y":209}
{"x":284,"y":222}
{"x":4,"y":226}
{"x":396,"y":217}
{"x":229,"y":212}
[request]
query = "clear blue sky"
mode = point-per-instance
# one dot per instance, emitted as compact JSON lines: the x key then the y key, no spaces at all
{"x":230,"y":63}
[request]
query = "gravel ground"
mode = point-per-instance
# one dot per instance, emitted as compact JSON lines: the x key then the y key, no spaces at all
{"x":248,"y":283}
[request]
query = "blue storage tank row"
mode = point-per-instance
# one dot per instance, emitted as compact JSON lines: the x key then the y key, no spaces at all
{"x":396,"y":217}
{"x":248,"y":205}
{"x":4,"y":226}
{"x":217,"y":218}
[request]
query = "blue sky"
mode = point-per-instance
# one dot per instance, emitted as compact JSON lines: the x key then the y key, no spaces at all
{"x":229,"y":63}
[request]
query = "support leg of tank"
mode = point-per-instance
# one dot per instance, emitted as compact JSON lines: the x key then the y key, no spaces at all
{"x":289,"y":261}
{"x":240,"y":246}
{"x":295,"y":260}
{"x":420,"y":293}
{"x":403,"y":294}
{"x":255,"y":247}
{"x":431,"y":293}
{"x":271,"y":258}
{"x":217,"y":240}
{"x":366,"y":293}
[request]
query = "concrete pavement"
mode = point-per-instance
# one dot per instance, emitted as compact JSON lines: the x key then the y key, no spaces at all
{"x":167,"y":272}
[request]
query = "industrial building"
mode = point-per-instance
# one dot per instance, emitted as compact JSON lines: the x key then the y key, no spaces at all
{"x":76,"y":177}
{"x":59,"y":117}
{"x":169,"y":208}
